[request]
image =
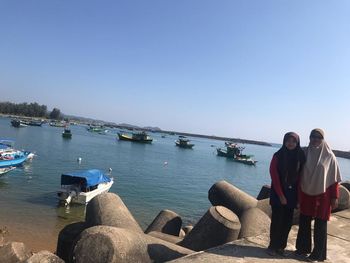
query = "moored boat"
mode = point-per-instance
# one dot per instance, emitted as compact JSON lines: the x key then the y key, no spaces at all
{"x":18,"y":123}
{"x":246,"y":159}
{"x":231,"y":150}
{"x":93,"y":128}
{"x":67,"y":133}
{"x":183,"y":142}
{"x":34,"y":123}
{"x":57,"y":124}
{"x":235,"y":152}
{"x":15,"y":158}
{"x":80,"y":187}
{"x":136,"y":137}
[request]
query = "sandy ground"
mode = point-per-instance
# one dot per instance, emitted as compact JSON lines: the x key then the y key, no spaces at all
{"x":34,"y":239}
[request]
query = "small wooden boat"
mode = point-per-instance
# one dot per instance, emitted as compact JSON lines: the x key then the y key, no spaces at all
{"x":80,"y":187}
{"x":67,"y":133}
{"x":18,"y":123}
{"x":135,"y":137}
{"x":231,"y":151}
{"x":94,"y":128}
{"x":57,"y":124}
{"x":6,"y":170}
{"x":246,"y":159}
{"x":16,"y":158}
{"x":183,"y":142}
{"x":35,"y":123}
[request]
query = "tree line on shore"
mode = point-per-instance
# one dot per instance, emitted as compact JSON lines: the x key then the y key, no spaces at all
{"x":29,"y":110}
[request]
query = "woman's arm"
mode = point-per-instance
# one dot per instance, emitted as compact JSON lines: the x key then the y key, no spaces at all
{"x":276,"y":182}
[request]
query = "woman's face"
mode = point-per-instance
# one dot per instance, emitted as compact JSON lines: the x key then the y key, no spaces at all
{"x":315,"y":140}
{"x":291,"y":143}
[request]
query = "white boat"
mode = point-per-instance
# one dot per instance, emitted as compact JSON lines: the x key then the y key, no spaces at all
{"x":6,"y":170}
{"x":80,"y":187}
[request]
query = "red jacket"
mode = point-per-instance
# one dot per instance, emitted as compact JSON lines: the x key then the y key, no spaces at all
{"x":318,"y":206}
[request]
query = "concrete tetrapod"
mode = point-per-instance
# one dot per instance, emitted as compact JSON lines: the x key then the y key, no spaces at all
{"x":44,"y":257}
{"x":167,"y":222}
{"x":225,"y":194}
{"x":264,"y":205}
{"x":14,"y":252}
{"x":165,"y":237}
{"x":109,"y":210}
{"x":67,"y":238}
{"x":344,"y":199}
{"x":346,"y":184}
{"x":102,"y":244}
{"x":254,"y":222}
{"x":187,"y":229}
{"x":219,"y":225}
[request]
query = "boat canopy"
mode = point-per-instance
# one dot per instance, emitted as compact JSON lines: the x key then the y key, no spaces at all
{"x":87,"y":178}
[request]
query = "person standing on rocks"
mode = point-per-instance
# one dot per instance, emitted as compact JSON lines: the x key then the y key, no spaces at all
{"x":319,"y":193}
{"x":285,"y":169}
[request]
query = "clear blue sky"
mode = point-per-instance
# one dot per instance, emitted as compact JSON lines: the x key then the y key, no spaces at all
{"x":247,"y":69}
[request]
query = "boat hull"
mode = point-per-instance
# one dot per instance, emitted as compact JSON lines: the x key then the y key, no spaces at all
{"x":124,"y":137}
{"x":185,"y":146}
{"x":85,"y":197}
{"x":245,"y":161}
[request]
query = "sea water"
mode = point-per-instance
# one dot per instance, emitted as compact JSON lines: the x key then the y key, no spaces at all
{"x":148,"y":177}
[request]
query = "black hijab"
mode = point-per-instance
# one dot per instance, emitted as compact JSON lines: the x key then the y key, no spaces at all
{"x":290,"y":162}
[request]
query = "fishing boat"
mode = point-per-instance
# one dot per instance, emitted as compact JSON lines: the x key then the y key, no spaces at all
{"x":246,"y":159}
{"x":183,"y":142}
{"x":235,"y":152}
{"x":231,"y":150}
{"x":15,"y":158}
{"x":34,"y":123}
{"x":18,"y":123}
{"x":80,"y":187}
{"x":93,"y":128}
{"x":67,"y":133}
{"x":136,"y":137}
{"x":6,"y":170}
{"x":57,"y":124}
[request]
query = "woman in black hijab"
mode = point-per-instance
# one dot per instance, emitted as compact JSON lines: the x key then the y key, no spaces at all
{"x":285,"y":169}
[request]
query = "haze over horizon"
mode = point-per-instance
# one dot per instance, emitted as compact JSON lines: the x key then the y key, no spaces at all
{"x":244,"y":69}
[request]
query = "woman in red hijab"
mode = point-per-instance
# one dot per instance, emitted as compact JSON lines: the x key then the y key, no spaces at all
{"x":285,"y":169}
{"x":318,"y":195}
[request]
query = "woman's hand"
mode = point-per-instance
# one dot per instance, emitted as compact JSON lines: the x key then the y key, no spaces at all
{"x":334,"y":203}
{"x":283,"y":200}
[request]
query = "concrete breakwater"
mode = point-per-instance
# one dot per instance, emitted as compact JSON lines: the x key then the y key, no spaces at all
{"x":111,"y":234}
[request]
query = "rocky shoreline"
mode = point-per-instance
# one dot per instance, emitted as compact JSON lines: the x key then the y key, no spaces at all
{"x":111,"y":234}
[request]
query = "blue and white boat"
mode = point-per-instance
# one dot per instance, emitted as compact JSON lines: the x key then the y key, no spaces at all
{"x":11,"y":157}
{"x":80,"y":187}
{"x":14,"y":159}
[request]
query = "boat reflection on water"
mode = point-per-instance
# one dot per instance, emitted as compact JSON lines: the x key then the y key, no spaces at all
{"x":71,"y":213}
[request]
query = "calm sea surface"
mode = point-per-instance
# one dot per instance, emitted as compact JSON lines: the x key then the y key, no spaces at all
{"x":148,"y":177}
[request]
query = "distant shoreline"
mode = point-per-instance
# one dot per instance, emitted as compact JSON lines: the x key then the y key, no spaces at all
{"x":338,"y":153}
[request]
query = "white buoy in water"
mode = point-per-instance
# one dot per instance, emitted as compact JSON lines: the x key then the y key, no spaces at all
{"x":79,"y":159}
{"x":165,"y":163}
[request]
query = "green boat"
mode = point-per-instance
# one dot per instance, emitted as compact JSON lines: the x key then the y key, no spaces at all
{"x":142,"y":137}
{"x":98,"y":129}
{"x":235,"y":152}
{"x":67,"y":134}
{"x":246,"y":159}
{"x":183,"y":142}
{"x":231,"y":150}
